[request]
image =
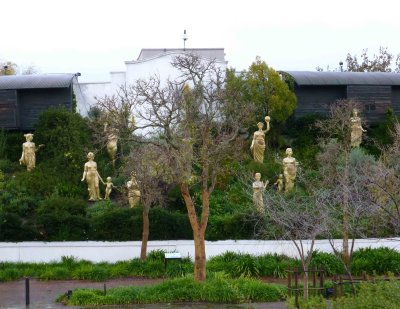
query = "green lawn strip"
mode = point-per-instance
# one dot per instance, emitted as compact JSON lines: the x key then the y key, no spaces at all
{"x":215,"y":290}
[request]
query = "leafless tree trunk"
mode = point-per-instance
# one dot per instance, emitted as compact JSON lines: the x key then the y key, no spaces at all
{"x":148,"y":164}
{"x":145,"y":233}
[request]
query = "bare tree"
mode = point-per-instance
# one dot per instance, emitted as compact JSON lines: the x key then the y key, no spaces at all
{"x":346,"y":199}
{"x":344,"y":175}
{"x":382,"y":62}
{"x":196,"y":126}
{"x":301,"y":220}
{"x":384,"y":182}
{"x":335,"y":158}
{"x":152,"y":173}
{"x":113,"y":115}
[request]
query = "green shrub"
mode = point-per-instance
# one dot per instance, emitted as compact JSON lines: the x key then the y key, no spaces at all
{"x":372,"y":296}
{"x":63,"y":218}
{"x":328,"y":261}
{"x":379,"y":261}
{"x":69,"y":261}
{"x":100,"y":273}
{"x":156,"y":255}
{"x":115,"y":224}
{"x":218,"y":290}
{"x":179,"y":268}
{"x":316,"y":302}
{"x":55,"y":273}
{"x":276,"y":265}
{"x":10,"y":274}
{"x":120,"y":270}
{"x":83,"y":272}
{"x":247,"y":266}
{"x":235,"y":265}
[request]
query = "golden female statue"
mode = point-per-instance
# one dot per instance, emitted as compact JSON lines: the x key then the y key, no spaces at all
{"x":112,"y":142}
{"x":356,"y":130}
{"x":258,"y":191}
{"x":92,"y":177}
{"x":133,"y":191}
{"x":258,"y":144}
{"x":289,"y":170}
{"x":29,"y":149}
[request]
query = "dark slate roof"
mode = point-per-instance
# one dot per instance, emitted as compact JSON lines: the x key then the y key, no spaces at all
{"x":36,"y":81}
{"x":210,"y":53}
{"x":344,"y":78}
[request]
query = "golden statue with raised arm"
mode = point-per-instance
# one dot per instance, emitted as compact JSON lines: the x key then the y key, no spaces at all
{"x":258,"y":144}
{"x":92,"y":177}
{"x":29,"y":149}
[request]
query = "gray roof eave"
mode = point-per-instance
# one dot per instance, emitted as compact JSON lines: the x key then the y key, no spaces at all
{"x":36,"y":81}
{"x":310,"y":78}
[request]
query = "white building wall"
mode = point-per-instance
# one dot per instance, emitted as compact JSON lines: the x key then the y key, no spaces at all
{"x":141,"y":69}
{"x":97,"y":251}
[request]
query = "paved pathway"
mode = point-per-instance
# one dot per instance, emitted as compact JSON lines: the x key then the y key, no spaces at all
{"x":44,"y":293}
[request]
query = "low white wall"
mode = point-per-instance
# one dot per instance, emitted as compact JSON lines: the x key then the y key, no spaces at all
{"x":97,"y":251}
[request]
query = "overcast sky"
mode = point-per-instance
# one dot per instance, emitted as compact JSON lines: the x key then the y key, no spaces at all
{"x":95,"y":36}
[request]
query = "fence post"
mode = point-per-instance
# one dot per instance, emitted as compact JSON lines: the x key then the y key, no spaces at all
{"x":314,"y":280}
{"x":289,"y":282}
{"x":296,"y":288}
{"x":341,"y":286}
{"x":27,"y":294}
{"x":364,"y":275}
{"x":334,"y":287}
{"x":322,"y":280}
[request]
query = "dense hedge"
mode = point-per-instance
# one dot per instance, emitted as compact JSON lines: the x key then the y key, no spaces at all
{"x":68,"y":219}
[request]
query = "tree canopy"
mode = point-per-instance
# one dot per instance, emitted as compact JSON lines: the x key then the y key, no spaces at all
{"x":263,"y":86}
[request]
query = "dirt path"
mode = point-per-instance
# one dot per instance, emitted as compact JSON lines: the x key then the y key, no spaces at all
{"x":12,"y":294}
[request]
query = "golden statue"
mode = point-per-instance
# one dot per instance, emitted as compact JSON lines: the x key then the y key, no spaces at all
{"x":92,"y":177}
{"x":356,"y":129}
{"x":258,"y":191}
{"x":109,"y":186}
{"x":112,"y":142}
{"x":289,"y":170}
{"x":29,"y":149}
{"x":258,"y":144}
{"x":279,"y":183}
{"x":133,"y":191}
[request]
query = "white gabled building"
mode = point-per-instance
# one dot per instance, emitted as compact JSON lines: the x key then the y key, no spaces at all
{"x":150,"y":62}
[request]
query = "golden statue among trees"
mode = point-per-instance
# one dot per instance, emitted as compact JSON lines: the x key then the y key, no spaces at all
{"x":92,"y":177}
{"x":29,"y":149}
{"x":109,"y":185}
{"x":289,"y":170}
{"x":133,"y":191}
{"x":356,"y":130}
{"x":258,"y":144}
{"x":258,"y":192}
{"x":112,"y":142}
{"x":279,"y":183}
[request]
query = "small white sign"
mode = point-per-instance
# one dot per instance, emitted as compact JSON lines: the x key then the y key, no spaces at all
{"x":173,"y":255}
